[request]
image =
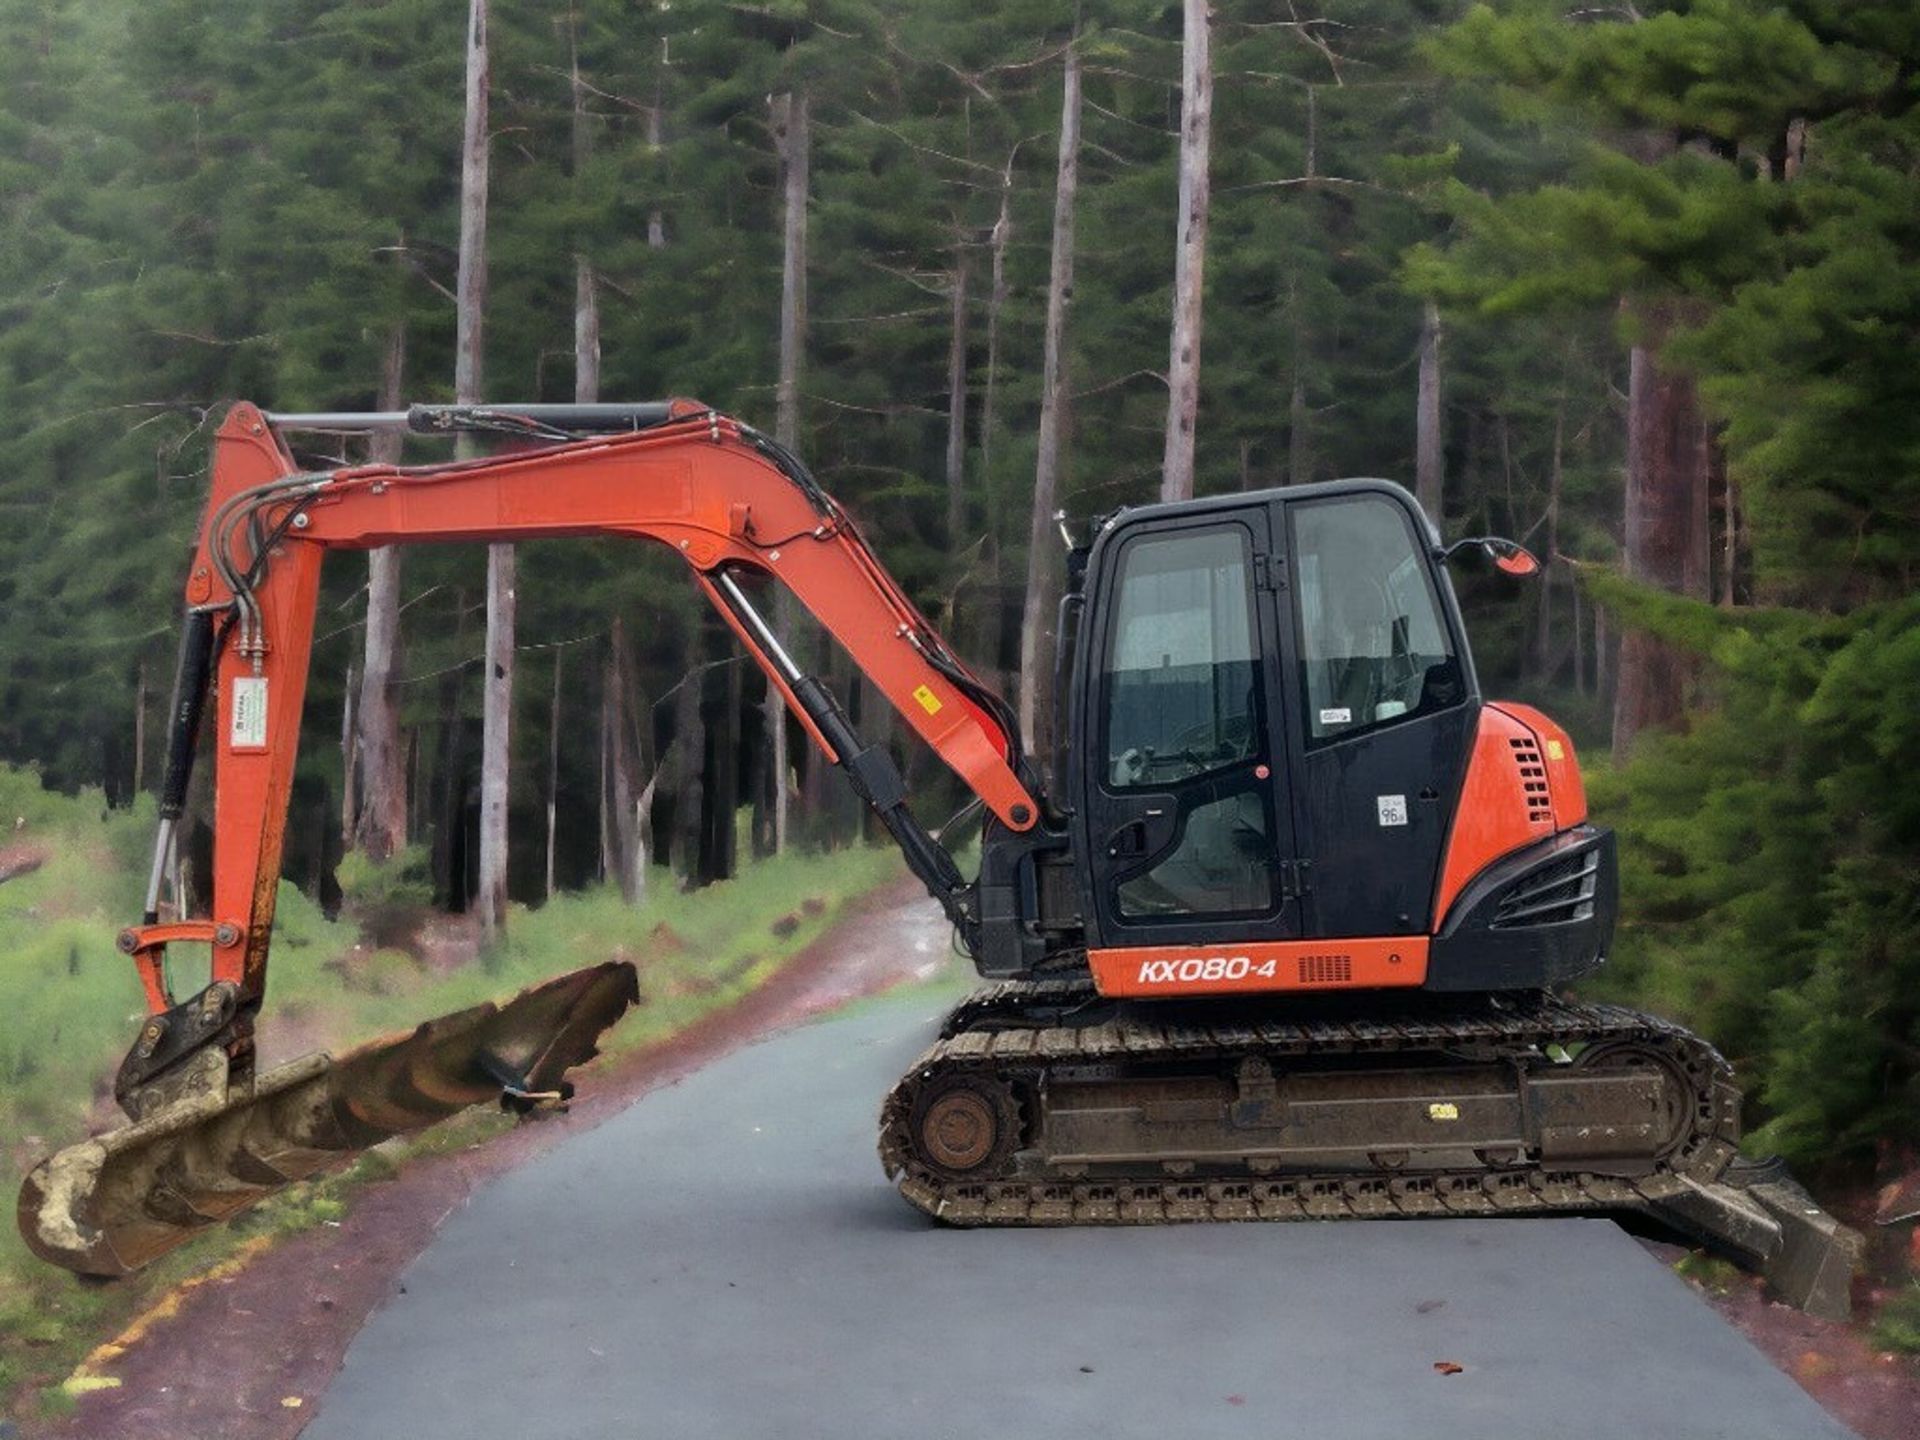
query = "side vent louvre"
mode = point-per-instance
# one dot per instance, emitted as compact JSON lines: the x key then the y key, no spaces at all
{"x":1556,"y":893}
{"x":1326,"y":969}
{"x":1533,"y":779}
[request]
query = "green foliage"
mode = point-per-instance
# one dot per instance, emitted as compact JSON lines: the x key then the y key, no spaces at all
{"x":404,"y":878}
{"x":1897,"y":1326}
{"x":1738,"y":181}
{"x":1772,"y":871}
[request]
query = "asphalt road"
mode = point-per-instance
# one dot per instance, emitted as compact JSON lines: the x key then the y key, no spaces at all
{"x":725,"y":1259}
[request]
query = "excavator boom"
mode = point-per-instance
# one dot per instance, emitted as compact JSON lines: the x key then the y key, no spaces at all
{"x":210,"y":1136}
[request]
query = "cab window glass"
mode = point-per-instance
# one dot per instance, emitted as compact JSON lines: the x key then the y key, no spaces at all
{"x":1373,"y":648}
{"x":1181,"y":677}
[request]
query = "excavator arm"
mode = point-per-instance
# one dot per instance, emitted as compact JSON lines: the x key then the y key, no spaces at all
{"x":209,"y":1136}
{"x":726,"y":499}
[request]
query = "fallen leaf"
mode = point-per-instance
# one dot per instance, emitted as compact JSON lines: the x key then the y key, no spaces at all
{"x":291,"y":1402}
{"x":1447,"y":1367}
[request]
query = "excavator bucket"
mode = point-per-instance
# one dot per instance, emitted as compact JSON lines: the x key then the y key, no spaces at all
{"x":112,"y":1203}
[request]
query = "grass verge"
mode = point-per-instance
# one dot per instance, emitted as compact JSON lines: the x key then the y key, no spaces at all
{"x":69,"y":1004}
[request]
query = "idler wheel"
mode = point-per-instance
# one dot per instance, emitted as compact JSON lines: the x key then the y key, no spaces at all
{"x":965,"y":1126}
{"x":1676,"y":1117}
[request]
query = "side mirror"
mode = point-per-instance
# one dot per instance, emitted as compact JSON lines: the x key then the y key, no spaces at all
{"x":1508,"y":556}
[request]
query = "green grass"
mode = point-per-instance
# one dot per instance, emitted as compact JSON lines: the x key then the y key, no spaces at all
{"x":69,"y":1005}
{"x":1897,"y":1326}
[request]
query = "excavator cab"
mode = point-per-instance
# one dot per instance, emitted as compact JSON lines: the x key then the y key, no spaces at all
{"x":1275,"y":719}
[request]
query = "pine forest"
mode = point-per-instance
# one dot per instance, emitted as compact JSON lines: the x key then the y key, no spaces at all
{"x":1636,"y":286}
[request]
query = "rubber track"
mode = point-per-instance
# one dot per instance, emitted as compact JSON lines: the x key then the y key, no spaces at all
{"x":986,"y":1038}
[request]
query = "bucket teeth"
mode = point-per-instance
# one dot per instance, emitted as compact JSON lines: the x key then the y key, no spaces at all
{"x":110,"y":1204}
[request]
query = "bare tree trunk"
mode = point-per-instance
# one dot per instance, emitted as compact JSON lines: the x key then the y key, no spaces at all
{"x":957,"y":408}
{"x":690,"y":768}
{"x":996,"y":303}
{"x":140,"y":728}
{"x":468,"y":384}
{"x":1429,"y":466}
{"x":553,"y":769}
{"x":381,"y":826}
{"x":1043,"y":548}
{"x":1669,"y":445}
{"x":602,"y":777}
{"x":1190,"y":256}
{"x":723,"y":770}
{"x":656,"y":136}
{"x":496,"y":721}
{"x":1299,"y":442}
{"x":1579,"y":643}
{"x":1543,"y":637}
{"x":586,"y":301}
{"x":992,"y":615}
{"x":623,"y":834}
{"x":1299,"y":446}
{"x":1729,"y":540}
{"x":348,"y":736}
{"x":793,"y":140}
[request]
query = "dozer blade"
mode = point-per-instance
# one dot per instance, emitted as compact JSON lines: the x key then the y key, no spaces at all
{"x":111,"y":1204}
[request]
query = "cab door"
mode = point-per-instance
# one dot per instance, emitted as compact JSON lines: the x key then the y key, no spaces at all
{"x":1181,"y":784}
{"x":1382,"y":707}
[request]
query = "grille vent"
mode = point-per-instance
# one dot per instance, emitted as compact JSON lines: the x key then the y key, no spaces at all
{"x":1533,"y":779}
{"x":1565,"y":890}
{"x":1325,"y":969}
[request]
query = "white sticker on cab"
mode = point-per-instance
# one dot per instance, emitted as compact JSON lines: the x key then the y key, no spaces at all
{"x":1393,"y":809}
{"x":1340,"y":716}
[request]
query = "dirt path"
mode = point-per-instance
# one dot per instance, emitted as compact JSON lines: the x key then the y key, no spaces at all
{"x":245,"y":1354}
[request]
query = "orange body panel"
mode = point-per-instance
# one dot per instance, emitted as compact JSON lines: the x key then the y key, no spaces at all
{"x":1160,"y":971}
{"x":696,"y":483}
{"x":1522,"y":786}
{"x":1564,"y":785}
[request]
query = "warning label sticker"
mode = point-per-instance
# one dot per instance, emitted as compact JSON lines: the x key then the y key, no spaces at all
{"x":247,"y":729}
{"x":1393,"y":809}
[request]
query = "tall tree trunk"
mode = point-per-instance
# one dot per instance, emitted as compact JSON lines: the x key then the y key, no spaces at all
{"x":1299,"y":443}
{"x":723,"y":769}
{"x":1299,"y":418}
{"x":1543,"y":636}
{"x":690,"y":751}
{"x":381,"y":827}
{"x":348,"y":746}
{"x":1579,"y":642}
{"x":586,"y":301}
{"x":553,"y":769}
{"x":996,"y":303}
{"x":1043,"y":546}
{"x":1429,"y":468}
{"x":1729,"y":536}
{"x":1669,"y":452}
{"x":1190,"y":256}
{"x":957,"y":407}
{"x":793,"y":141}
{"x":140,"y":728}
{"x":623,"y":837}
{"x":656,"y":136}
{"x":992,"y":615}
{"x":468,"y":385}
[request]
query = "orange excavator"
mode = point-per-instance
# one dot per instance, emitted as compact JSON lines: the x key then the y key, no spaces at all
{"x":1278,"y":941}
